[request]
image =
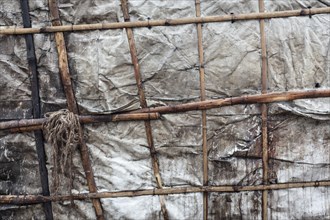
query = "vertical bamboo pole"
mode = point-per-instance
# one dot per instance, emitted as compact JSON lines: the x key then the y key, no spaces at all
{"x":62,"y":57}
{"x":40,"y":148}
{"x":264,"y":112}
{"x":203,"y":97}
{"x":143,"y":104}
{"x":72,"y":104}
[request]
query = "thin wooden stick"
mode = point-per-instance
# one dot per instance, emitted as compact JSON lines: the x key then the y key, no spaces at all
{"x":203,"y":97}
{"x":202,"y":105}
{"x":24,"y":129}
{"x":34,"y":199}
{"x":72,"y":105}
{"x":166,"y":22}
{"x":264,"y":112}
{"x":248,"y":99}
{"x":143,"y":104}
{"x":84,"y":119}
{"x":33,"y":72}
{"x":62,"y":59}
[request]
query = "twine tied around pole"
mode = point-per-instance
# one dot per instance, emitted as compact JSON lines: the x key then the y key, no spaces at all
{"x":62,"y":131}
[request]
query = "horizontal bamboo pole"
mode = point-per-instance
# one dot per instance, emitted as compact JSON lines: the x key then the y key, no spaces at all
{"x":20,"y":125}
{"x":25,"y":129}
{"x":165,"y":22}
{"x":34,"y":199}
{"x":36,"y":123}
{"x":249,"y":99}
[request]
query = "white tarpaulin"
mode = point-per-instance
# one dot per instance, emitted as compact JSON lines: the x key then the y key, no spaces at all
{"x":298,"y":52}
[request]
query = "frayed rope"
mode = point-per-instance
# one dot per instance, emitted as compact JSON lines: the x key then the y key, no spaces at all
{"x":62,"y":130}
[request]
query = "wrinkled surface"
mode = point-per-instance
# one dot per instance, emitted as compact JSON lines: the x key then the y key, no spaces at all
{"x":103,"y":79}
{"x":313,"y":203}
{"x":245,"y":205}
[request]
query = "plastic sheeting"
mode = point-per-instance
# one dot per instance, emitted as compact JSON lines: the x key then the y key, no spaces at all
{"x":103,"y":79}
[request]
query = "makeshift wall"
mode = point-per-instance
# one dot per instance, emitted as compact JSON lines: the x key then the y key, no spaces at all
{"x":103,"y":79}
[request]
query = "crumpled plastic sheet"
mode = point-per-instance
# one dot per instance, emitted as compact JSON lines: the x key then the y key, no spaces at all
{"x":19,"y":174}
{"x":186,"y":206}
{"x":313,"y":203}
{"x":235,"y":205}
{"x":103,"y":80}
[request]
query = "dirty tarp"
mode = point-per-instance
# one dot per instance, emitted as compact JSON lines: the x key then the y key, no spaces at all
{"x":103,"y":79}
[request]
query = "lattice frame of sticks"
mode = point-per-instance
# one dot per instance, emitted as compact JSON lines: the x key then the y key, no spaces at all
{"x":145,"y":113}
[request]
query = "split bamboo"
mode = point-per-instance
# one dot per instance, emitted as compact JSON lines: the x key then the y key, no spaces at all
{"x":72,"y":104}
{"x":203,"y":97}
{"x":84,"y":119}
{"x":143,"y":104}
{"x":248,"y":99}
{"x":34,"y":199}
{"x":264,"y":112}
{"x":166,"y":22}
{"x":36,"y":111}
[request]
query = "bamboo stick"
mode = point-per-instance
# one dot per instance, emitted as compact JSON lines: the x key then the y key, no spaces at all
{"x":38,"y":135}
{"x":165,"y":22}
{"x":25,"y":129}
{"x":34,"y":199}
{"x":72,"y":105}
{"x":84,"y":119}
{"x":264,"y":112}
{"x":248,"y":99}
{"x":143,"y":104}
{"x":202,"y":105}
{"x":203,"y":97}
{"x":63,"y":59}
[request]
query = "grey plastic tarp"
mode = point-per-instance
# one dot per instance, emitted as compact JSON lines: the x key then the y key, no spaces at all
{"x":103,"y":78}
